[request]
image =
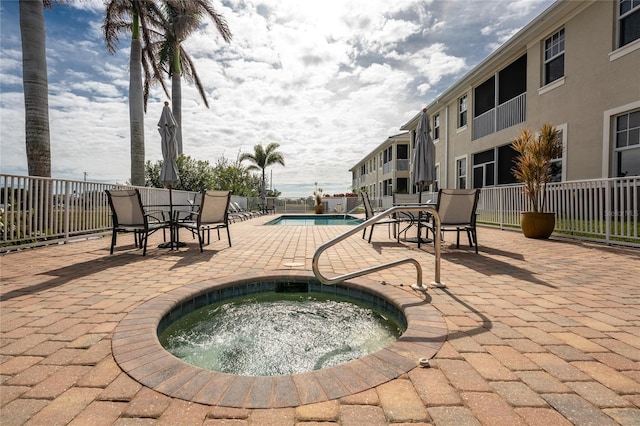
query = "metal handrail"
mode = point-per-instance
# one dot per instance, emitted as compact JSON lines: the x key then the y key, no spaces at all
{"x":372,"y":221}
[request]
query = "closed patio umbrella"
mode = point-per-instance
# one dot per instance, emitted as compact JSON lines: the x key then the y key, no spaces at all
{"x":169,"y":173}
{"x":424,"y":157}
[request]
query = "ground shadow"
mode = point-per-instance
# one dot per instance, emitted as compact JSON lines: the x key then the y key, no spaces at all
{"x":66,"y":274}
{"x":484,"y":262}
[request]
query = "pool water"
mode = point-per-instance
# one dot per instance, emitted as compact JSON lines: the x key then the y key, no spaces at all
{"x":309,"y":220}
{"x":271,"y":334}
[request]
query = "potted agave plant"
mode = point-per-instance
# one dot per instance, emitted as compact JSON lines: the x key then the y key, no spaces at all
{"x":533,"y":167}
{"x":318,"y":208}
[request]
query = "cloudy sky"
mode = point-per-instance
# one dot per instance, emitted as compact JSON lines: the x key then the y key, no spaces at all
{"x":329,"y":80}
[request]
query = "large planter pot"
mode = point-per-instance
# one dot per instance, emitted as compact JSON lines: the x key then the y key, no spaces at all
{"x":537,"y":225}
{"x":318,"y":208}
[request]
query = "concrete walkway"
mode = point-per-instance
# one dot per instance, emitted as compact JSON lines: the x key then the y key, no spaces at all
{"x":539,"y":332}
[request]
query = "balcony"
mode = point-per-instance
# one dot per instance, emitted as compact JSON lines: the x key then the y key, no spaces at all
{"x":507,"y":114}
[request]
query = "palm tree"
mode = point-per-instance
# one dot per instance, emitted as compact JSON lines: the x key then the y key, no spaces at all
{"x":145,"y":16}
{"x":36,"y":87}
{"x":261,"y":159}
{"x":183,"y":17}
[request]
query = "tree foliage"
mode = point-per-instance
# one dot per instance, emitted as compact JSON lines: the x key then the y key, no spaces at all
{"x":181,"y":19}
{"x":261,"y":158}
{"x":196,"y":175}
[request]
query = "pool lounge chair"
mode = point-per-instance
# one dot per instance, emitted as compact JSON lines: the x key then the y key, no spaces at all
{"x":213,"y":214}
{"x":128,"y":215}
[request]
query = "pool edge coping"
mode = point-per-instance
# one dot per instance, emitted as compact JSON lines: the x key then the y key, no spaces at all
{"x":138,"y":352}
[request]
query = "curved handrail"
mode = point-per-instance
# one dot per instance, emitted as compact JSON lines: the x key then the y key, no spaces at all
{"x":372,"y":221}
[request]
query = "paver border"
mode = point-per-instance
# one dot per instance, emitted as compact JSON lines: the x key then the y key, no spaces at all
{"x":138,"y":352}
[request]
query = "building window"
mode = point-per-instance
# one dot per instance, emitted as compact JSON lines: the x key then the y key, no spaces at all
{"x":628,"y":21}
{"x":436,"y":182}
{"x":436,"y":126}
{"x":484,"y":169}
{"x":402,"y":155}
{"x":554,"y":57}
{"x":462,"y":111}
{"x":461,"y":173}
{"x":627,"y":144}
{"x":387,"y":187}
{"x":402,"y":185}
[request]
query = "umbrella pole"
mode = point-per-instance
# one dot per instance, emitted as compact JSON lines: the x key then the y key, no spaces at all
{"x":173,"y":226}
{"x":420,"y":215}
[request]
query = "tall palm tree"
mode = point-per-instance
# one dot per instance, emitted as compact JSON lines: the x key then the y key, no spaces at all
{"x":261,"y":159}
{"x":36,"y":87}
{"x":183,"y":17}
{"x":141,"y":18}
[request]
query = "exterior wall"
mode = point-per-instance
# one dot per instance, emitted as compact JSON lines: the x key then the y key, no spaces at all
{"x":592,"y":85}
{"x":599,"y":81}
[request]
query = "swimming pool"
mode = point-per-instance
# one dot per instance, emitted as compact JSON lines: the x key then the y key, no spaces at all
{"x":313,"y":219}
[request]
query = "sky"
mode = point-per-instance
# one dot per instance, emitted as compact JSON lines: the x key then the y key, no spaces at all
{"x":328,"y":80}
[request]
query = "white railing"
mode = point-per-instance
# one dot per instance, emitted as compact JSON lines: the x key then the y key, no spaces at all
{"x":402,"y":164}
{"x":601,"y":209}
{"x":484,"y":124}
{"x":507,"y":114}
{"x":512,"y":112}
{"x":36,"y":211}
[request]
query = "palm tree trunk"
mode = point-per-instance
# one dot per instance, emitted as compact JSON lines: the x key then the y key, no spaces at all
{"x":176,"y":102}
{"x":136,"y":113}
{"x":36,"y":88}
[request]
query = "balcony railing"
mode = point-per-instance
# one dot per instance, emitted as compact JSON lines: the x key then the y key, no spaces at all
{"x":507,"y":114}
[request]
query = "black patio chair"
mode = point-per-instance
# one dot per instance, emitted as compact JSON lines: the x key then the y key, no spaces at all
{"x":129,"y":215}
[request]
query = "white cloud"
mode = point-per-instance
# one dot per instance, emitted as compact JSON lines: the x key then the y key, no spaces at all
{"x":328,"y":80}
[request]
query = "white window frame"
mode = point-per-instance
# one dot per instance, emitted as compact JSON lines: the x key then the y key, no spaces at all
{"x":466,"y":171}
{"x":614,"y":140}
{"x":635,"y":8}
{"x":549,"y":55}
{"x":607,"y":135}
{"x":462,"y":103}
{"x":436,"y":127}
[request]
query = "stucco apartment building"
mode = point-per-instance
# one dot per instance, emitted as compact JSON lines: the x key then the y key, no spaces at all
{"x":386,"y":169}
{"x":576,"y":66}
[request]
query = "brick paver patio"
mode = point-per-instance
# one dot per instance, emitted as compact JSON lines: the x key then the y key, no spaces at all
{"x":538,"y":332}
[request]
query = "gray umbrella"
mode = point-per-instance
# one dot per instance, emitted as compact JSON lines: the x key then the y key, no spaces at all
{"x":167,"y":128}
{"x":169,"y":172}
{"x":424,"y":161}
{"x":424,"y":155}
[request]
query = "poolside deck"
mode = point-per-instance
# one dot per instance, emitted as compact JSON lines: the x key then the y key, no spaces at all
{"x":538,"y":332}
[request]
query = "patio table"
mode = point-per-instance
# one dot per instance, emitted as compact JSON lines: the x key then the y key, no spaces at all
{"x":413,"y":220}
{"x":174,"y":212}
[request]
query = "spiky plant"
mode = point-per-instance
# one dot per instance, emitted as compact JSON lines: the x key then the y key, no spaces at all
{"x":533,"y":164}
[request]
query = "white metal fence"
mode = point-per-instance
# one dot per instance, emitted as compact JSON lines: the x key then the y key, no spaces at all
{"x":36,"y":211}
{"x":606,"y":210}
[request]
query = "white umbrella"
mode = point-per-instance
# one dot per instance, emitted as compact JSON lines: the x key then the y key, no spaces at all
{"x":424,"y":158}
{"x":169,"y":173}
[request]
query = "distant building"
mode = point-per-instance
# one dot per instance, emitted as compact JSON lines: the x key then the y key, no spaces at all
{"x":577,"y":66}
{"x":385,"y":170}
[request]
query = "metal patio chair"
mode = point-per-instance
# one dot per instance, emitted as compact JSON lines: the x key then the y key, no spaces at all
{"x":129,"y":215}
{"x":213,"y":214}
{"x":457,"y":210}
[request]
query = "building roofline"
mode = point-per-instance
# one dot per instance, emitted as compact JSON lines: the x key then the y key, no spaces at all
{"x":518,"y":42}
{"x":387,"y":141}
